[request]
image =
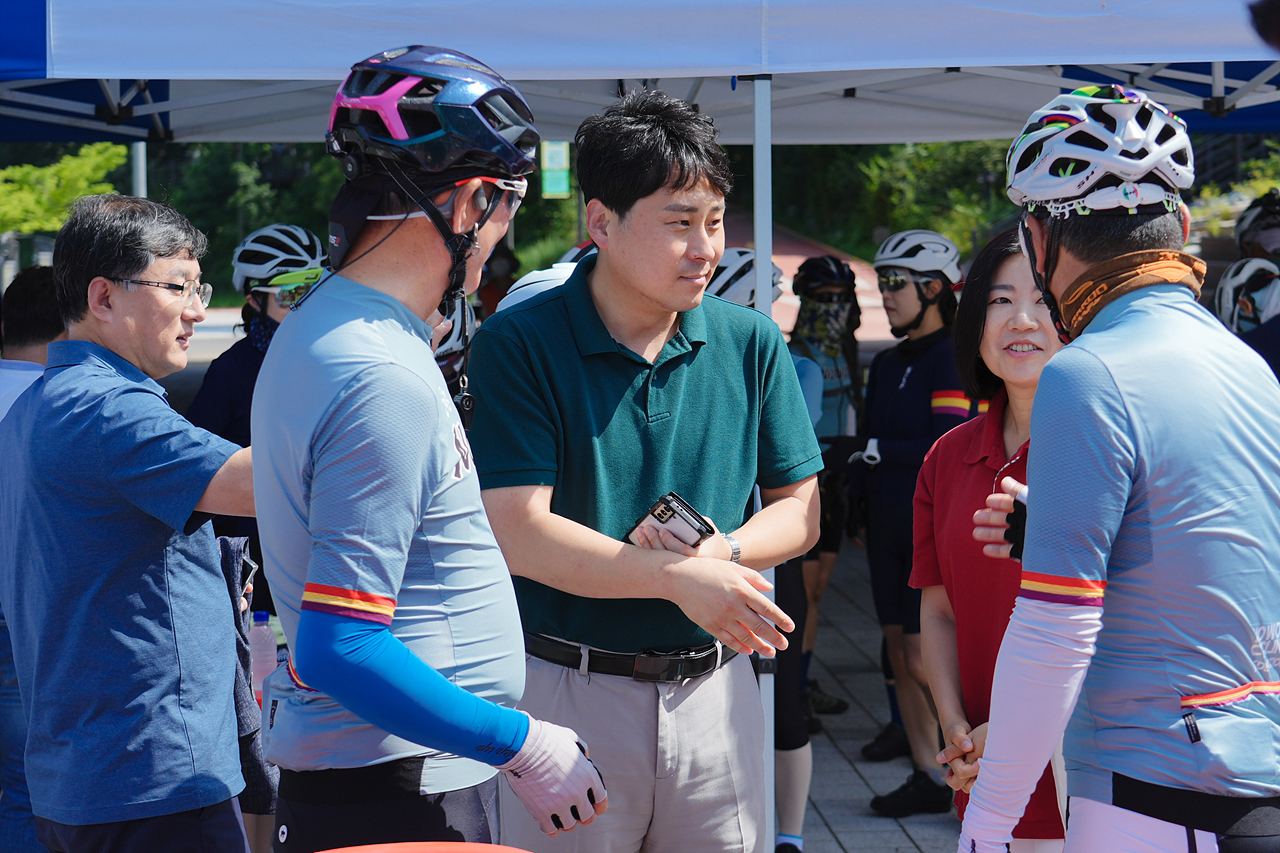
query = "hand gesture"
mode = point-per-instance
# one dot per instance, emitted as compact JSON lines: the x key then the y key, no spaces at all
{"x":990,"y":524}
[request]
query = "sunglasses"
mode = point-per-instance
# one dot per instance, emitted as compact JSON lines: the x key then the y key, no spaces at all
{"x":891,"y":281}
{"x":292,"y":287}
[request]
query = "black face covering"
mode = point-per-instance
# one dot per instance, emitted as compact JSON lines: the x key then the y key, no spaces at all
{"x":260,"y":328}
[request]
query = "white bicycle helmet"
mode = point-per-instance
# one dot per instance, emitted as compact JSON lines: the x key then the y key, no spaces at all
{"x":921,"y":251}
{"x":1101,"y":147}
{"x":270,"y":251}
{"x":531,"y":284}
{"x":1262,"y":214}
{"x":1251,"y":279}
{"x":735,"y":280}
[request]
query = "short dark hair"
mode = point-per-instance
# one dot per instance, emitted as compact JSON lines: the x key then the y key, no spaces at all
{"x":644,"y":142}
{"x":116,"y":236}
{"x":30,"y":309}
{"x":971,"y":317}
{"x":1101,"y":236}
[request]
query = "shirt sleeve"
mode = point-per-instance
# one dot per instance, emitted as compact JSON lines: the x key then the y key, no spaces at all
{"x":374,"y":465}
{"x":158,"y":460}
{"x":788,"y":449}
{"x":925,"y":569}
{"x":515,"y":428}
{"x":1081,"y":476}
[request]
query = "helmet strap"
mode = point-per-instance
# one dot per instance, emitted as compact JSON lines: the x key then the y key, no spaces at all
{"x":925,"y":302}
{"x":1052,"y":236}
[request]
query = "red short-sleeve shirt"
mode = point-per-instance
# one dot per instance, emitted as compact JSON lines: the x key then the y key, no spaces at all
{"x":961,"y":469}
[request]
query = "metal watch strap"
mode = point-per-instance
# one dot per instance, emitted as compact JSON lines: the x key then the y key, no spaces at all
{"x":737,"y":549}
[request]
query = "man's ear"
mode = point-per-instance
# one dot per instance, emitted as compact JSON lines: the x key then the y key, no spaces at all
{"x":1185,"y":215}
{"x":600,"y":221}
{"x":468,"y":207}
{"x":101,"y":299}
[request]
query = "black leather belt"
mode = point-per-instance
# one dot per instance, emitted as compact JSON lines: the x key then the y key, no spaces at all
{"x":649,"y":666}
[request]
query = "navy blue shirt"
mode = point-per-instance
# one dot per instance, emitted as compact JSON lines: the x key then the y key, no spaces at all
{"x":914,"y":397}
{"x":123,"y":643}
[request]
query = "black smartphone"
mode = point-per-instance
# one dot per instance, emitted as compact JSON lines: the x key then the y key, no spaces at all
{"x":674,"y":514}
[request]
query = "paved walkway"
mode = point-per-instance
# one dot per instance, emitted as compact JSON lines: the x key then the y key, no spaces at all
{"x":847,"y":662}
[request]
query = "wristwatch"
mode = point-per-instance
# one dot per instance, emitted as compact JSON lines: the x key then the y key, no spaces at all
{"x":737,"y":549}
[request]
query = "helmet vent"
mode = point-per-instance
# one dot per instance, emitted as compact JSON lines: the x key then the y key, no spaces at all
{"x":1101,"y":116}
{"x":1182,"y":157}
{"x":1135,"y":155}
{"x":1065,"y":167}
{"x":249,"y":256}
{"x":1087,"y":140}
{"x":367,"y":119}
{"x":425,"y":92}
{"x":1166,"y":133}
{"x":395,"y":54}
{"x":419,"y":123}
{"x":1145,"y":115}
{"x":1029,"y":156}
{"x":459,"y":63}
{"x":365,"y":82}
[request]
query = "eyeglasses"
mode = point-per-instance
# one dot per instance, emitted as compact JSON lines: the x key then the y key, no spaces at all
{"x":516,"y":189}
{"x":189,"y":289}
{"x":891,"y":281}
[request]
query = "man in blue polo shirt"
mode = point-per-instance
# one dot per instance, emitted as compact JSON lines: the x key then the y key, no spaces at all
{"x":110,"y":576}
{"x":594,"y":399}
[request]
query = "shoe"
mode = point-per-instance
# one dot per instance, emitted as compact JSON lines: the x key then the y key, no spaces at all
{"x":823,"y":702}
{"x":889,"y":744}
{"x":918,"y":795}
{"x":786,"y":848}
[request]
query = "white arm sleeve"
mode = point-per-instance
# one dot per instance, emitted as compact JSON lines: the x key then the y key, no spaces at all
{"x":1039,"y":673}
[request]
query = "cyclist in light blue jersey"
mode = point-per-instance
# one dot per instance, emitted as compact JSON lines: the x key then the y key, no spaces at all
{"x":1150,"y":599}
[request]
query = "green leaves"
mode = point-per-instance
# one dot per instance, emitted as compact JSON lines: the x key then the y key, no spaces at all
{"x":36,"y":198}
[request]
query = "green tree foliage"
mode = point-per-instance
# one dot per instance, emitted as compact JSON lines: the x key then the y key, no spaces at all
{"x":840,"y":194}
{"x":36,"y":197}
{"x":228,"y":190}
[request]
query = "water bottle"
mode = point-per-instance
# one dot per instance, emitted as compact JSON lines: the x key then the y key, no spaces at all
{"x":262,"y":651}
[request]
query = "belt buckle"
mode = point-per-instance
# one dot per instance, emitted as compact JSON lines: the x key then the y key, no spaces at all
{"x":664,"y":668}
{"x":651,"y":667}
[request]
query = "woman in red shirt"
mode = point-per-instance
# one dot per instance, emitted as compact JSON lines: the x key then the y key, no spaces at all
{"x":1003,"y":338}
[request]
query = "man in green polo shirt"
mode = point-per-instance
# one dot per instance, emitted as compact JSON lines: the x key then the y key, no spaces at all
{"x":592,"y":400}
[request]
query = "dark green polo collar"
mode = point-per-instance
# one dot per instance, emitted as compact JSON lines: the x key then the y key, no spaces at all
{"x":592,"y":336}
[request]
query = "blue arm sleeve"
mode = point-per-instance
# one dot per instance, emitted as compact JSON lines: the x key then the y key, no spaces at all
{"x":360,"y":664}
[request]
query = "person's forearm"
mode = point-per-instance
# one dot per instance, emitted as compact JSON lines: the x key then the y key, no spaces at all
{"x":560,"y":553}
{"x":1039,"y":673}
{"x":941,"y":658}
{"x":786,"y":528}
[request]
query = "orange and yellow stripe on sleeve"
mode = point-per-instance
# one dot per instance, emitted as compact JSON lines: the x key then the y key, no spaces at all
{"x":1235,"y":694}
{"x":1062,"y":590}
{"x":950,"y":403}
{"x":348,"y":602}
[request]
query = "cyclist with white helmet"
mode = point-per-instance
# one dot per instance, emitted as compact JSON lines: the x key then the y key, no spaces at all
{"x":914,"y":396}
{"x":1257,"y":230}
{"x":1154,"y":480}
{"x":824,"y":333}
{"x":396,"y":708}
{"x":1256,"y":285}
